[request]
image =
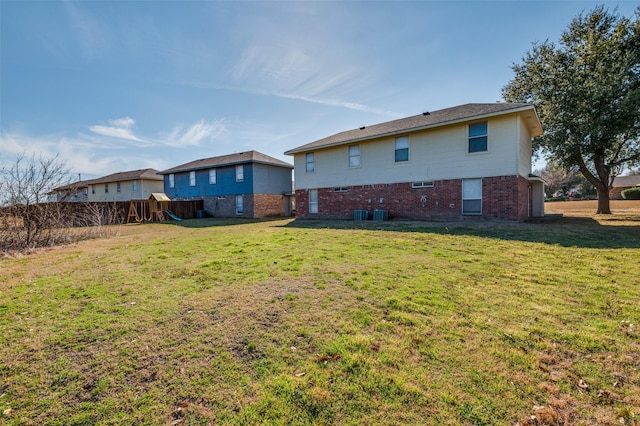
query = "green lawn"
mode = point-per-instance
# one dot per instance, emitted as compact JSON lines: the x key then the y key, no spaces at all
{"x":305,"y":322}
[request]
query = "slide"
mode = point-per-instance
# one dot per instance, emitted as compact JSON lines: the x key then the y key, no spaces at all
{"x":172,"y":216}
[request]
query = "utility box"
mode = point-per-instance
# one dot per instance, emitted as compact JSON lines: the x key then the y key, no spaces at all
{"x":360,"y":215}
{"x":380,"y":214}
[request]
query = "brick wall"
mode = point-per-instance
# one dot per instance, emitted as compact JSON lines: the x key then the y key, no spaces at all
{"x":220,"y":207}
{"x":616,"y":193}
{"x":253,"y":205}
{"x":265,"y":205}
{"x":503,"y":198}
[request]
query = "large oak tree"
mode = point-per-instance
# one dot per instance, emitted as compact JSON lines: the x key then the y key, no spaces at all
{"x":586,"y":89}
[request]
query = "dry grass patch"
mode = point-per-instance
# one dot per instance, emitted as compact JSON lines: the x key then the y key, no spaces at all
{"x":239,"y":322}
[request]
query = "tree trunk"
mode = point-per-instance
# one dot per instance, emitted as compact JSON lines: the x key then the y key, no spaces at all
{"x":603,"y":200}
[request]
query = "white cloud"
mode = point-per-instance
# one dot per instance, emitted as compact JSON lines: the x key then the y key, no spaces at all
{"x":195,"y":134}
{"x":119,"y":128}
{"x":79,"y":155}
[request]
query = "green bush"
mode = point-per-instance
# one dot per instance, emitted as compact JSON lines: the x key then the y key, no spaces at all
{"x":631,"y":194}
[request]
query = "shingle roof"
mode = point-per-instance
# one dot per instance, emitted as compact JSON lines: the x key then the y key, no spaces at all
{"x":625,"y":181}
{"x":228,"y":160}
{"x":147,"y":174}
{"x":423,"y":121}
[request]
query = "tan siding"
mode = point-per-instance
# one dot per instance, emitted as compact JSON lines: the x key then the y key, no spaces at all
{"x":145,"y":188}
{"x":434,"y":154}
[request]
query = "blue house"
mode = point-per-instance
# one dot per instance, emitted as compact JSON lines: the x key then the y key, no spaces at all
{"x":249,"y":184}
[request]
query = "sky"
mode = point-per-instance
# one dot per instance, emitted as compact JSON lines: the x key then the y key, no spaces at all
{"x":112,"y":86}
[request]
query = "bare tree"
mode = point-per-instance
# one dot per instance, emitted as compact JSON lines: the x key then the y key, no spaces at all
{"x":29,"y":220}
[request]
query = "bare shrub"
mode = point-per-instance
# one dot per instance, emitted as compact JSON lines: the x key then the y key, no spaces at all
{"x":29,"y":220}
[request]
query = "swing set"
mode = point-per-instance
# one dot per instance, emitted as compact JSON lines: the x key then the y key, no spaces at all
{"x":150,"y":210}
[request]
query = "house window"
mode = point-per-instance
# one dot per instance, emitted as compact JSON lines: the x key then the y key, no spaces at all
{"x":354,"y":156}
{"x":239,"y":205}
{"x":212,"y":176}
{"x":422,"y":184}
{"x":471,"y":196}
{"x":134,"y":186}
{"x":478,"y":137}
{"x":118,"y":187}
{"x":313,"y":201}
{"x":172,"y":180}
{"x":341,"y":189}
{"x":310,"y":161}
{"x":240,"y":173}
{"x":402,"y":149}
{"x":106,"y":188}
{"x":192,"y":178}
{"x":93,"y":189}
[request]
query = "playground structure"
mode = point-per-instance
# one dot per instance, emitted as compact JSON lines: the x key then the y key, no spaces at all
{"x":152,"y":209}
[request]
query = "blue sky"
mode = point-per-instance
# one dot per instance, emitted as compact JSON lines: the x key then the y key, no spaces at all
{"x":121,"y":85}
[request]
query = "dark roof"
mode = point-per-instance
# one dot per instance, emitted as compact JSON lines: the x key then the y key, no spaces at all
{"x":626,"y":181}
{"x":147,"y":174}
{"x":423,"y":121}
{"x":228,"y":160}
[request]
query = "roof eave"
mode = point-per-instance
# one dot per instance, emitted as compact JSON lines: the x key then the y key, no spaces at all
{"x":417,"y":129}
{"x":213,"y":166}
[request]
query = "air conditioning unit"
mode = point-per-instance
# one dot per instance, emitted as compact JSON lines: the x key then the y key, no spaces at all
{"x":380,"y":214}
{"x":360,"y":215}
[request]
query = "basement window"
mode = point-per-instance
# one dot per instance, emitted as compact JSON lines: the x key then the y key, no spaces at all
{"x":422,"y":185}
{"x":341,"y":189}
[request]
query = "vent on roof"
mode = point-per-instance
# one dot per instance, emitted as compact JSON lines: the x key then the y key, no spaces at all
{"x":426,"y":113}
{"x":362,"y":128}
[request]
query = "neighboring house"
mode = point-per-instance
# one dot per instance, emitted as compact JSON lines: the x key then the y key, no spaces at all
{"x":249,"y":184}
{"x":620,"y":183}
{"x":469,"y":161}
{"x":76,"y":192}
{"x":125,"y":186}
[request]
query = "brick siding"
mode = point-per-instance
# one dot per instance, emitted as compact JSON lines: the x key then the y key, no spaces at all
{"x":253,"y":206}
{"x":266,"y":205}
{"x":503,"y":198}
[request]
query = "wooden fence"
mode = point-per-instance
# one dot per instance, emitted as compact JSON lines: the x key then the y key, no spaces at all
{"x":67,"y":214}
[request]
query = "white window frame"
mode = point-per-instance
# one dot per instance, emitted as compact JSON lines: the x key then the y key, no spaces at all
{"x":240,"y":173}
{"x":106,"y":188}
{"x":134,"y":186}
{"x":93,"y":189}
{"x":192,"y":178}
{"x":425,"y":184}
{"x":310,"y":162}
{"x":239,"y":205}
{"x":471,"y":138}
{"x":354,"y":156}
{"x":118,"y":187}
{"x":470,"y":188}
{"x":172,"y":180}
{"x":401,"y":140}
{"x":213,"y":178}
{"x":313,"y":201}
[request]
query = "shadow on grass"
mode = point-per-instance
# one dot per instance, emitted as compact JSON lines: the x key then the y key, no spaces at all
{"x":214,"y":221}
{"x":569,"y":231}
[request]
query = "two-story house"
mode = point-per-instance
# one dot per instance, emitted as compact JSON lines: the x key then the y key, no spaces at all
{"x":121,"y":186}
{"x":125,"y":186}
{"x":467,"y":162}
{"x":248,"y":184}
